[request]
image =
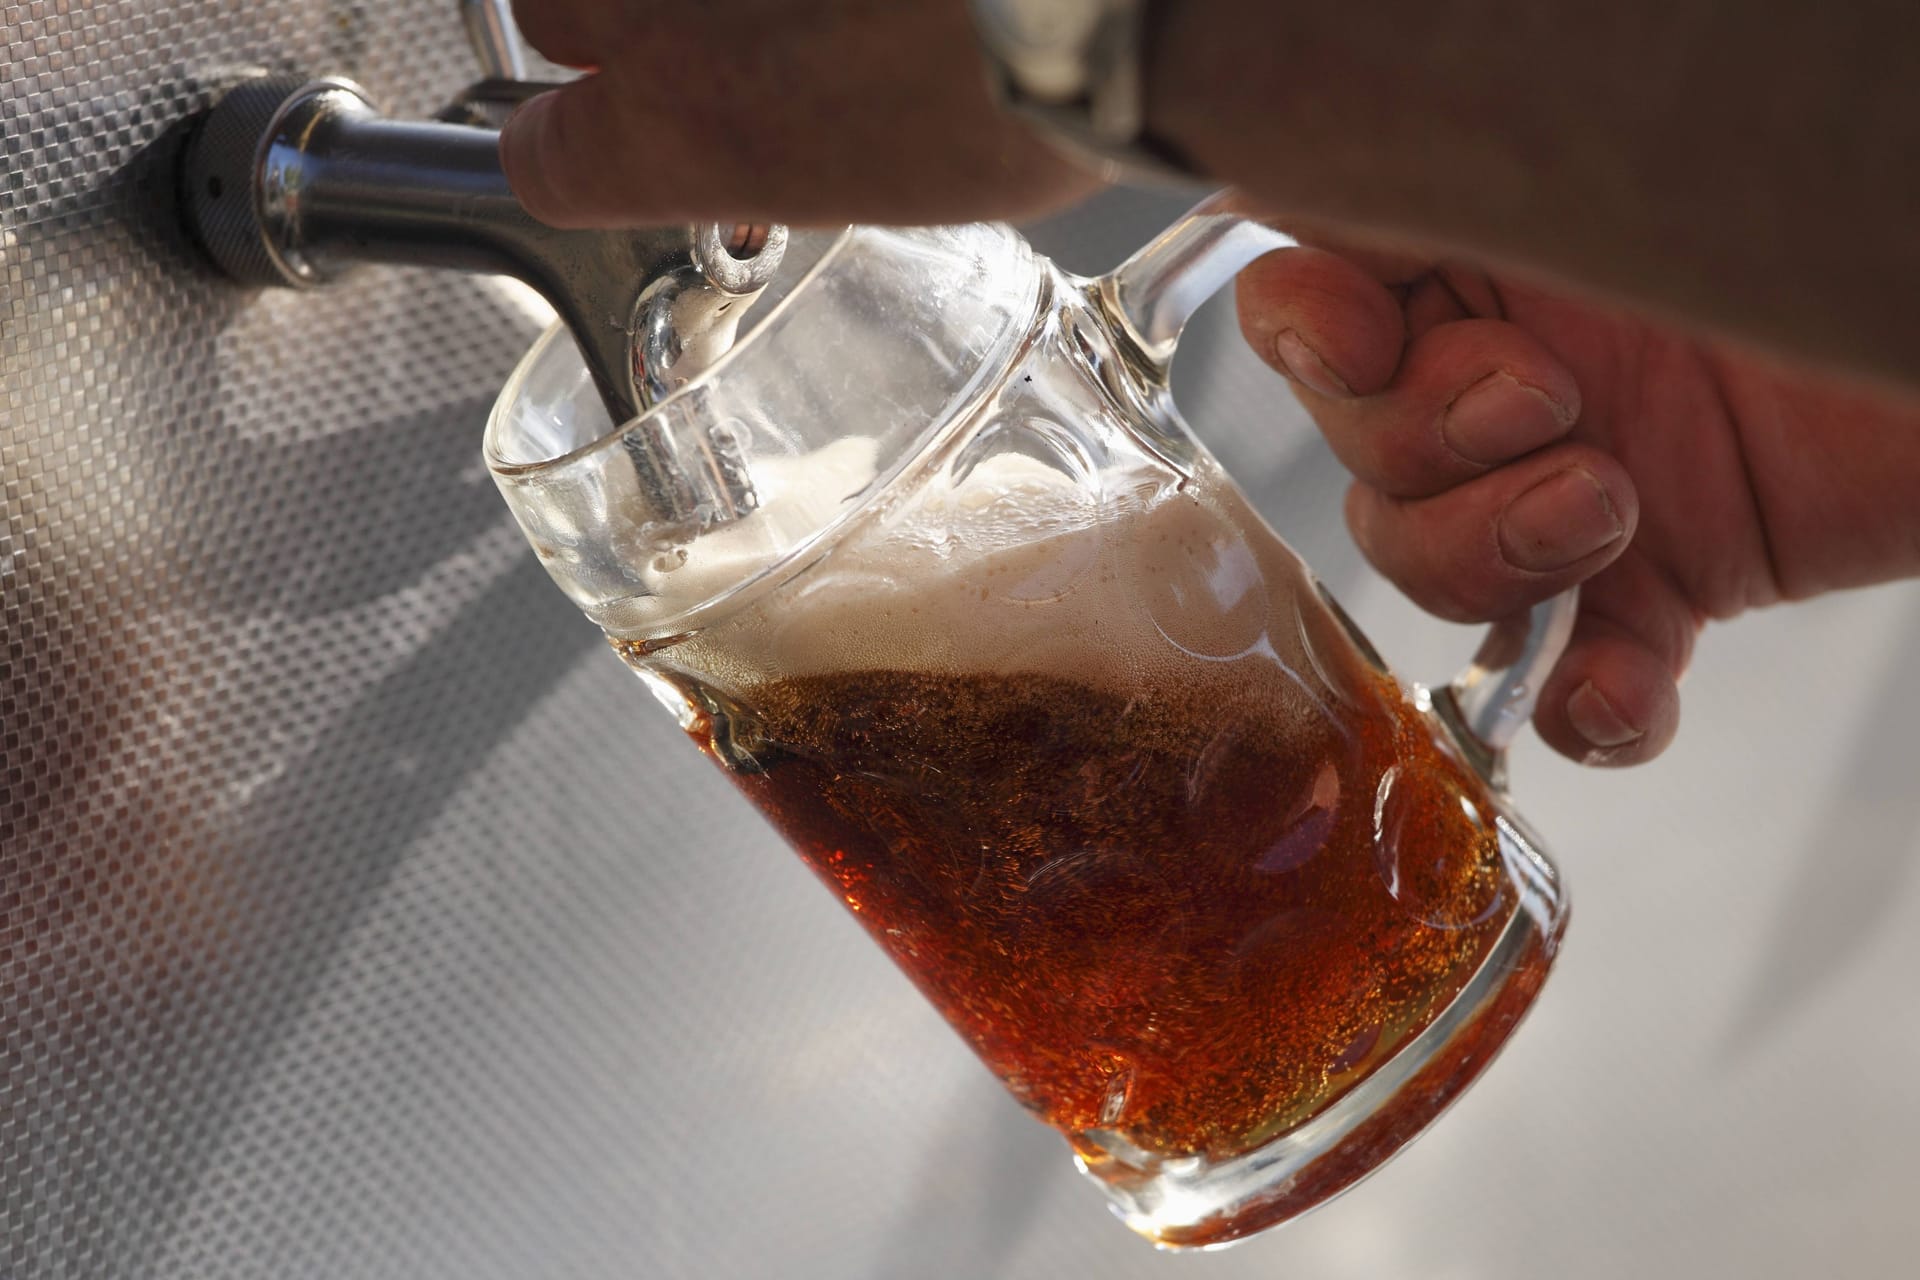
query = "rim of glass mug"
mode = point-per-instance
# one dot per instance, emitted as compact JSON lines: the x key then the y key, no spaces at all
{"x":556,"y":457}
{"x":767,"y":312}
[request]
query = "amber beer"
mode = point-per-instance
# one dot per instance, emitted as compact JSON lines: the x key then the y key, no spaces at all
{"x":1129,"y":804}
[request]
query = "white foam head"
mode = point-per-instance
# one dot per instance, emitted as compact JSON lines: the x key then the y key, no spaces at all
{"x":1015,"y":565}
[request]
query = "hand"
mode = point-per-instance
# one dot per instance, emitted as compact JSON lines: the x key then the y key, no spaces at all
{"x":1510,"y":442}
{"x":1553,"y":140}
{"x":800,"y":111}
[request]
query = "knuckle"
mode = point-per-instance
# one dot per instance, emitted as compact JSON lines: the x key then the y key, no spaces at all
{"x":1408,"y":471}
{"x":1451,"y":592}
{"x":1468,"y":590}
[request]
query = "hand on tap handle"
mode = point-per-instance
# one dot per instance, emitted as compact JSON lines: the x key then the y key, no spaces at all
{"x":1615,"y":295}
{"x":827,"y":110}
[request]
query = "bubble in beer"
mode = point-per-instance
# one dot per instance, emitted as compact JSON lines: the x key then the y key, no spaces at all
{"x":1120,"y":908}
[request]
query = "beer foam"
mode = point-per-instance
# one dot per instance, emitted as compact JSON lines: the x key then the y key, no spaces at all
{"x":1014,"y":566}
{"x":799,"y":497}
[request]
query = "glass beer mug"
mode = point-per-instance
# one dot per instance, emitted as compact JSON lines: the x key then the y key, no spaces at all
{"x":930,"y":567}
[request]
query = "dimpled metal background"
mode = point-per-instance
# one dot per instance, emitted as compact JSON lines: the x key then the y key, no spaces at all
{"x":263,"y":620}
{"x":360,"y":916}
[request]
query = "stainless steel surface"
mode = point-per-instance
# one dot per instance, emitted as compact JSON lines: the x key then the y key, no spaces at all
{"x":496,"y":43}
{"x":360,"y":917}
{"x":291,"y":181}
{"x":689,"y":318}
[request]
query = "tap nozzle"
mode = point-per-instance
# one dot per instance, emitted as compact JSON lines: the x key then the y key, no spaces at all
{"x":288,"y":181}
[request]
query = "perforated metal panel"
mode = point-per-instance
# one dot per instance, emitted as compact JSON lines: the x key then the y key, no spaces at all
{"x":262,"y":619}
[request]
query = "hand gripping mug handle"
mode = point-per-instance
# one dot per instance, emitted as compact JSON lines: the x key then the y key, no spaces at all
{"x":1153,"y":294}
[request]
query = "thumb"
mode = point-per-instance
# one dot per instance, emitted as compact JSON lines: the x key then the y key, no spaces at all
{"x":577,"y":157}
{"x":783,"y":131}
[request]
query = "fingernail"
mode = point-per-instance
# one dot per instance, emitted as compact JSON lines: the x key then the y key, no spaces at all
{"x":1304,"y":365}
{"x":1596,"y":720}
{"x":1560,"y":521}
{"x":1500,"y":417}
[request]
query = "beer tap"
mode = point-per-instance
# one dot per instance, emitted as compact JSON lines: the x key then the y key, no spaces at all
{"x":495,"y":40}
{"x":289,"y":181}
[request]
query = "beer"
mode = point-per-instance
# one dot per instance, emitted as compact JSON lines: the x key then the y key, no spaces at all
{"x":1125,"y":799}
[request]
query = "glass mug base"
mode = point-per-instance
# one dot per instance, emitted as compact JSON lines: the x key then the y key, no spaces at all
{"x":1198,"y":1204}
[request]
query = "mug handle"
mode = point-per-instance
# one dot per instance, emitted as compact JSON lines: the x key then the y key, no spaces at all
{"x":1151,"y":296}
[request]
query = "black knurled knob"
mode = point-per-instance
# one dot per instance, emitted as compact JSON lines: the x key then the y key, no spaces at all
{"x":218,"y":173}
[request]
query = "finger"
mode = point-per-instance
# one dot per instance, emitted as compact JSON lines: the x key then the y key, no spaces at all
{"x":1451,"y":291}
{"x":1642,"y":600}
{"x":1387,"y":257}
{"x":1322,"y":321}
{"x":1611,"y":700}
{"x":1430,"y":304}
{"x":1434,"y":289}
{"x":572,"y":33}
{"x":1469,"y":396}
{"x":883,"y":116}
{"x":1505,"y":541}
